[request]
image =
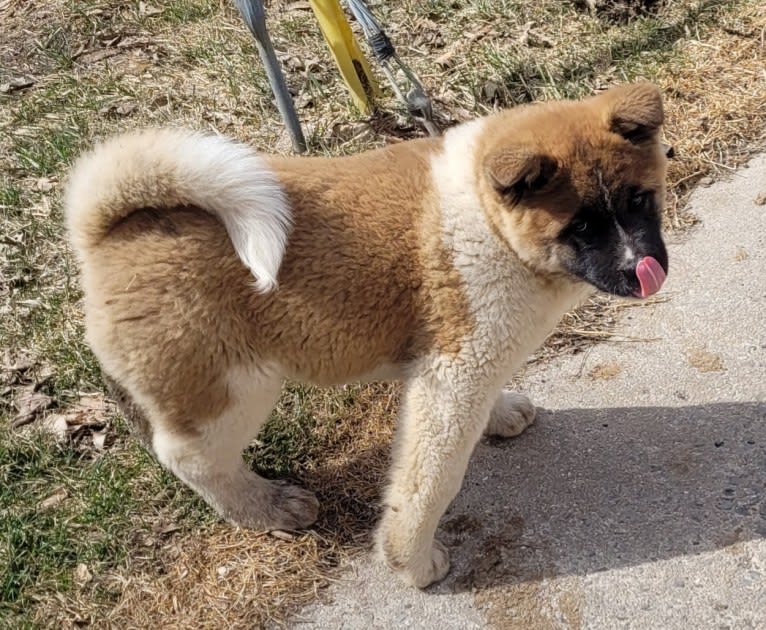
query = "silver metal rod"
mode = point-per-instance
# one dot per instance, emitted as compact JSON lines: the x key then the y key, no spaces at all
{"x":255,"y":17}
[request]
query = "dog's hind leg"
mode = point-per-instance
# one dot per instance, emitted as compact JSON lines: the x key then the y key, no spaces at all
{"x":209,"y":460}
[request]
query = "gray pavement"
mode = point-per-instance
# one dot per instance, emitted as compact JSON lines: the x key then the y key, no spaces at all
{"x":638,"y":499}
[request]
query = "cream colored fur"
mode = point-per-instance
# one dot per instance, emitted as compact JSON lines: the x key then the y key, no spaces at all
{"x":179,"y":167}
{"x":448,"y":405}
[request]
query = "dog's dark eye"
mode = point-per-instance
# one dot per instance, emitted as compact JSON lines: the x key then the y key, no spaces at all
{"x":580,"y":226}
{"x":638,"y":201}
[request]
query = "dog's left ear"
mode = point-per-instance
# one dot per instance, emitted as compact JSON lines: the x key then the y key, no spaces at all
{"x":514,"y":173}
{"x":634,"y":111}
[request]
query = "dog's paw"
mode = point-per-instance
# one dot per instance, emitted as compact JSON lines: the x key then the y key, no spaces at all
{"x":430,"y":569}
{"x":511,"y":414}
{"x":434,"y":569}
{"x":421,"y":570}
{"x":292,"y":507}
{"x":278,"y":505}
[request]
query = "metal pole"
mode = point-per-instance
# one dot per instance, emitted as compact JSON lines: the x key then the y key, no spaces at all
{"x":255,"y":17}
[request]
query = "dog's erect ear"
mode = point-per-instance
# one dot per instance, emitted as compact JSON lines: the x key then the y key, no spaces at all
{"x":516,"y":173}
{"x":634,"y":111}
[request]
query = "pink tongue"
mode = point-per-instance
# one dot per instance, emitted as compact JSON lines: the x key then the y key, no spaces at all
{"x":651,"y":275}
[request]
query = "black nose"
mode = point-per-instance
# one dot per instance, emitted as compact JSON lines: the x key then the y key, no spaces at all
{"x":630,"y":278}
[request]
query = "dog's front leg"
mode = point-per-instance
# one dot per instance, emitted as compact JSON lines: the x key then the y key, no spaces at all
{"x":443,"y":415}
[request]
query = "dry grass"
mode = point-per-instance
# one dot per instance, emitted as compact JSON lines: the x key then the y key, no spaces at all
{"x":74,"y":71}
{"x":243,"y":579}
{"x":716,"y":102}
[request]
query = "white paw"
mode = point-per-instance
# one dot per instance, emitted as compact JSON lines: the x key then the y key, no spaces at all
{"x":422,"y":570}
{"x":511,"y":414}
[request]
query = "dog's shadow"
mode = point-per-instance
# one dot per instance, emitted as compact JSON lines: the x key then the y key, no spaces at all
{"x":586,"y":490}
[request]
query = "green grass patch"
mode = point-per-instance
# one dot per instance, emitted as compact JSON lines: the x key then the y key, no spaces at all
{"x":298,"y":428}
{"x":40,"y":546}
{"x":186,"y":11}
{"x":48,"y":153}
{"x":111,"y":502}
{"x":10,"y":200}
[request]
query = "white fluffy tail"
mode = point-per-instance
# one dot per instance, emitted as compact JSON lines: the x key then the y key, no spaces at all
{"x":170,"y":168}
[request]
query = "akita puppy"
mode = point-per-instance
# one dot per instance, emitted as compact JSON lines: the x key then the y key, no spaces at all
{"x":212,"y":274}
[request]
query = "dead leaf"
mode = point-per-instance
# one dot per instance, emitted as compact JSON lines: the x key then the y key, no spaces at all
{"x":345,"y":132}
{"x":97,"y":55}
{"x":534,"y":39}
{"x":124,"y":109}
{"x":17,"y":83}
{"x":31,"y":304}
{"x":82,"y":575}
{"x":741,"y":254}
{"x":705,"y":361}
{"x":56,"y":424}
{"x":760,"y":200}
{"x":93,"y":404}
{"x":222,"y":119}
{"x":120,"y":109}
{"x":110,"y":39}
{"x":148,"y":10}
{"x":605,"y":371}
{"x":43,"y":374}
{"x":445,"y":59}
{"x":161,"y":100}
{"x":29,"y":404}
{"x":491,"y":91}
{"x":52,"y":501}
{"x":168,"y":529}
{"x":136,"y":42}
{"x":281,"y":535}
{"x":44,"y":184}
{"x":99,"y":439}
{"x":84,"y":424}
{"x":304,"y":101}
{"x":21,"y":365}
{"x":17,"y":366}
{"x":297,"y":6}
{"x":293,"y":63}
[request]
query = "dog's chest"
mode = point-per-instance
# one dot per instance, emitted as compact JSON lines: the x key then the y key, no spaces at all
{"x":513,"y":319}
{"x":513,"y":310}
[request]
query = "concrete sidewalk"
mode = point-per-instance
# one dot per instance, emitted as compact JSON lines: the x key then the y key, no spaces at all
{"x":638,"y":499}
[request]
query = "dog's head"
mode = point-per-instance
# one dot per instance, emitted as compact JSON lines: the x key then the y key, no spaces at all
{"x":578,"y":187}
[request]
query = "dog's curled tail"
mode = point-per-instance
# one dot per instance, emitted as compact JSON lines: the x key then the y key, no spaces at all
{"x":168,"y":168}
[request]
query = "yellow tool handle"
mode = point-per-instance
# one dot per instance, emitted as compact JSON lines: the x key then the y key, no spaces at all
{"x":351,"y":61}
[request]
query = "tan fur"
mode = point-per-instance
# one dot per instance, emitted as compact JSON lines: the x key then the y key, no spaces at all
{"x":405,"y":262}
{"x":402,"y":298}
{"x":383,"y":223}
